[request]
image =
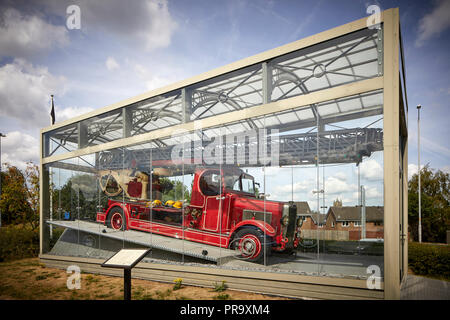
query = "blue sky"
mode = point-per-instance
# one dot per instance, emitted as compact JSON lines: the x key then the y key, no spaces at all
{"x":126,"y":48}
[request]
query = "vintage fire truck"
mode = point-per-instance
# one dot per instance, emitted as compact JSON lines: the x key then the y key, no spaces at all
{"x":224,"y":210}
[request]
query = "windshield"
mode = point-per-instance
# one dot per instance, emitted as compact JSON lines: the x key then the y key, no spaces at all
{"x":232,"y":181}
{"x":240,"y":182}
{"x":247,"y":184}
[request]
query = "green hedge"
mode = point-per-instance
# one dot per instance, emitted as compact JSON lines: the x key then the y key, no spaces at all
{"x":429,"y":259}
{"x":18,"y":242}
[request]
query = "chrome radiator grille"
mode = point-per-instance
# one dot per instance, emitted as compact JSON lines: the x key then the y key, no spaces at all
{"x":259,"y":215}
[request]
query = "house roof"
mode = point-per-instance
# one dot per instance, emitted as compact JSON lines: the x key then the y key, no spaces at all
{"x":322,"y":218}
{"x":304,"y":210}
{"x":302,"y":207}
{"x":373,"y":214}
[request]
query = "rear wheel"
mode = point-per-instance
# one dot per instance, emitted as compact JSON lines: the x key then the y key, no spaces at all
{"x":251,"y":244}
{"x":116,"y":219}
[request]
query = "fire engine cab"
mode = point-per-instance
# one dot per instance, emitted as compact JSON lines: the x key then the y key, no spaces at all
{"x":224,"y":210}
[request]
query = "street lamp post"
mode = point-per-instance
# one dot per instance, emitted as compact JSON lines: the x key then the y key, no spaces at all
{"x":1,"y":136}
{"x":418,"y":160}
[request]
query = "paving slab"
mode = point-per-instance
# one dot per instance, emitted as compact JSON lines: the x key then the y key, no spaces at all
{"x":421,"y":288}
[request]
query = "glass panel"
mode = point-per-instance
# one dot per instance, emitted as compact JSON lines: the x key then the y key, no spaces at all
{"x":335,"y":62}
{"x":230,"y":92}
{"x":350,"y":197}
{"x":61,"y":140}
{"x":154,"y":113}
{"x":101,"y":129}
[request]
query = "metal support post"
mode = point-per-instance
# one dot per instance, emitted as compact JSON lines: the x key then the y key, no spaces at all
{"x":418,"y":163}
{"x":126,"y":284}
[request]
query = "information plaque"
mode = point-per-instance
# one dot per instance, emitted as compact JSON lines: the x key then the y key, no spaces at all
{"x":126,"y":259}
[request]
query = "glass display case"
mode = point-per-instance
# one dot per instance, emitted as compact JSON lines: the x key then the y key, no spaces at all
{"x":277,"y":166}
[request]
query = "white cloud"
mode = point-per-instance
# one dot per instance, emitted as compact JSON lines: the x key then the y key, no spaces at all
{"x":434,"y":23}
{"x":148,"y":22}
{"x":370,"y":193}
{"x":334,"y":185}
{"x":271,"y":171}
{"x":25,"y":93}
{"x":161,"y":26}
{"x":413,"y":169}
{"x":111,"y":64}
{"x":70,"y":112}
{"x":297,"y":187}
{"x":371,"y":170}
{"x":156,"y":82}
{"x":25,"y":35}
{"x":150,"y":79}
{"x":19,"y":148}
{"x":340,"y":175}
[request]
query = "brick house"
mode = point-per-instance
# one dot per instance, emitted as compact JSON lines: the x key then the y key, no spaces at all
{"x":309,"y":217}
{"x":349,"y":219}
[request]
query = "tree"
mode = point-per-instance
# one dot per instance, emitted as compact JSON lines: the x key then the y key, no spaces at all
{"x":77,"y":199}
{"x":179,"y":191}
{"x":435,"y":205}
{"x":32,"y":178}
{"x":20,"y":195}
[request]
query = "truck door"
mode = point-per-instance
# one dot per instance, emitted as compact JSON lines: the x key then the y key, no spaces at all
{"x":211,"y":186}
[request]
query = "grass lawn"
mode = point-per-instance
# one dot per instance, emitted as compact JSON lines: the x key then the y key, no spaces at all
{"x":28,"y":279}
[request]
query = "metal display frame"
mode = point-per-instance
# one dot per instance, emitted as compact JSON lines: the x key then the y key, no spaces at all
{"x":128,"y":124}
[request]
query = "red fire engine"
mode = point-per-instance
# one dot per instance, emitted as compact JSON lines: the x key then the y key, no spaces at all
{"x":224,"y":210}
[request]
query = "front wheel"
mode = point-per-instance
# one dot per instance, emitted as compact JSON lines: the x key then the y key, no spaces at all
{"x":251,"y":244}
{"x":116,"y":219}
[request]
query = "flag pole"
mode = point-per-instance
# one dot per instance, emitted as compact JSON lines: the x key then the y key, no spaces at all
{"x":52,"y":114}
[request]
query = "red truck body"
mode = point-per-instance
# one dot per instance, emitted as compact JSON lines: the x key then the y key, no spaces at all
{"x":224,"y":211}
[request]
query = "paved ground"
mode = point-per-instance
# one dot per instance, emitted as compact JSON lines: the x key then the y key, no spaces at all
{"x":421,"y":288}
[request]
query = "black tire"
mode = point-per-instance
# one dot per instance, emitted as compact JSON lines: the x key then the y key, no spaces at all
{"x":112,"y":220}
{"x":252,"y":244}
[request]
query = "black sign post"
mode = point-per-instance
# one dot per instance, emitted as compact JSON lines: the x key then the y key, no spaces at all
{"x":126,"y":259}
